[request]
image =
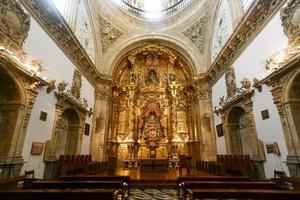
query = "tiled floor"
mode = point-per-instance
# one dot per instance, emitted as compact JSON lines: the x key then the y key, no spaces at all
{"x":153,"y":194}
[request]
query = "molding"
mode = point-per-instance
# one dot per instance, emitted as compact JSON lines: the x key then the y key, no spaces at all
{"x":250,"y":26}
{"x":53,"y":23}
{"x":21,"y":67}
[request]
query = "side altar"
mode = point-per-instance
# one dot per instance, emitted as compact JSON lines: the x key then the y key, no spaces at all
{"x":153,"y":109}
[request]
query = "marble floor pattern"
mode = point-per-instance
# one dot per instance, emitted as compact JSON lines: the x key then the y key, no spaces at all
{"x":153,"y":194}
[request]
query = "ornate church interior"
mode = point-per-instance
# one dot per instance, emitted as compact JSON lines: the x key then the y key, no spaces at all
{"x":149,"y":99}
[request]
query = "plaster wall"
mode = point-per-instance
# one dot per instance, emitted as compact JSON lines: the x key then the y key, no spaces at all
{"x":55,"y":65}
{"x":218,"y":90}
{"x":251,"y":64}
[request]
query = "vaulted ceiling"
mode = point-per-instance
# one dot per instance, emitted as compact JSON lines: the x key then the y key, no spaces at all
{"x":187,"y":29}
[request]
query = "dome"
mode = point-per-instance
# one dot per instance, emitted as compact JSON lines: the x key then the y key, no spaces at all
{"x":151,"y":9}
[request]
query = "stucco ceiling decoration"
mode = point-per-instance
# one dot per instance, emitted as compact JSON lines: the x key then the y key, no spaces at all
{"x":196,"y":33}
{"x":109,"y":33}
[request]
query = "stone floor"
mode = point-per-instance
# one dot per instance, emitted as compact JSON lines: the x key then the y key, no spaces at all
{"x":153,"y":194}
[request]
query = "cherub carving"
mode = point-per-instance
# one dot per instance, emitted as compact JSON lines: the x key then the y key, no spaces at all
{"x":62,"y":86}
{"x":257,"y":84}
{"x":84,"y":103}
{"x":246,"y":84}
{"x":51,"y":86}
{"x":222,"y":100}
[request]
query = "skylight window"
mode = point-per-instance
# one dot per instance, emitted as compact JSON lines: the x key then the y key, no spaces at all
{"x":151,"y":9}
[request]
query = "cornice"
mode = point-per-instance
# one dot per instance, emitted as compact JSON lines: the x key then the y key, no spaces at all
{"x":53,"y":23}
{"x":250,"y":26}
{"x":286,"y":67}
{"x":10,"y":59}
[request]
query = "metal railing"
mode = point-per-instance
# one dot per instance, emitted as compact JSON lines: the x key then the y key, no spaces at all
{"x":163,"y":12}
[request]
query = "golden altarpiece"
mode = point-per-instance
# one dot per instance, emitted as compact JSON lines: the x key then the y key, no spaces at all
{"x":153,"y":106}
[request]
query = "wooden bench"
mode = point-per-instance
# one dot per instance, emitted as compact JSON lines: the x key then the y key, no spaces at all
{"x":230,"y":185}
{"x":295,"y":181}
{"x":213,"y":178}
{"x":12,"y":182}
{"x":126,"y":179}
{"x":243,"y":194}
{"x":93,"y":184}
{"x":50,"y":194}
{"x":182,"y":179}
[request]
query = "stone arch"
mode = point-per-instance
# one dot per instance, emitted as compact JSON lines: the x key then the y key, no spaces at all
{"x":238,"y":131}
{"x":67,"y":133}
{"x":184,"y":52}
{"x":291,"y":109}
{"x":18,"y":91}
{"x":12,"y":103}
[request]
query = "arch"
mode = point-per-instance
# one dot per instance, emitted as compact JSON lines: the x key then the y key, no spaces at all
{"x":289,"y":84}
{"x":239,"y":133}
{"x":16,"y":80}
{"x":67,"y":133}
{"x":11,"y":103}
{"x":291,"y":102}
{"x":183,"y":51}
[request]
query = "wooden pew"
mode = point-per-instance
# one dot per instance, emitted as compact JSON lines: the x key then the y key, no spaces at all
{"x":12,"y":182}
{"x":126,"y":179}
{"x":213,"y":178}
{"x":243,"y":194}
{"x":295,"y":181}
{"x":83,"y":184}
{"x":77,"y":184}
{"x":50,"y":194}
{"x":182,"y":179}
{"x":230,"y":185}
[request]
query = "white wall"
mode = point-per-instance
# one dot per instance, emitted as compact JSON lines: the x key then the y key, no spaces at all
{"x":250,"y":64}
{"x":218,"y":90}
{"x":56,"y":66}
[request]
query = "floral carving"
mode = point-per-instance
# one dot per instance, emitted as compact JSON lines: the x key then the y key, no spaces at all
{"x":196,"y":33}
{"x":109,"y":33}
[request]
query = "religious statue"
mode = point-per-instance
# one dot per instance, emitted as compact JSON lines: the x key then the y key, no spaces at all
{"x":76,"y":84}
{"x":230,"y":82}
{"x":62,"y":86}
{"x":152,"y":77}
{"x":257,"y":84}
{"x":51,"y":86}
{"x":222,"y":100}
{"x":246,"y":84}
